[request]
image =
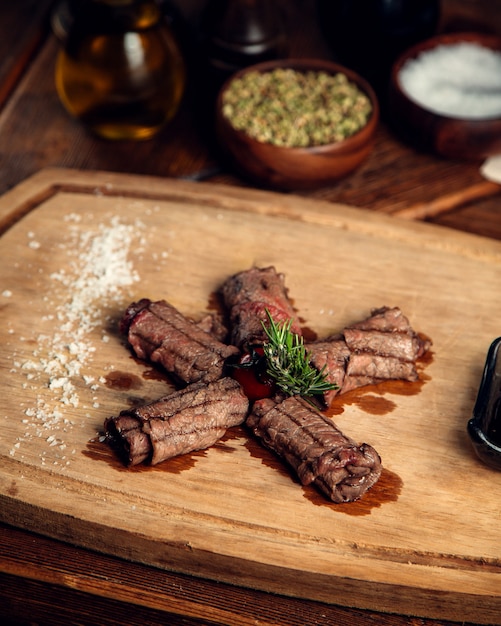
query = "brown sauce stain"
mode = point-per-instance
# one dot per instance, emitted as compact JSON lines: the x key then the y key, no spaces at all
{"x":235,"y":432}
{"x":156,"y":374}
{"x":387,"y":489}
{"x":100,"y":451}
{"x":215,"y":303}
{"x":133,"y":402}
{"x":112,"y":327}
{"x":308,"y":334}
{"x":104,"y":451}
{"x":371,"y":398}
{"x":123,"y":381}
{"x":152,"y":373}
{"x":334,"y":409}
{"x":176,"y":465}
{"x":12,"y":489}
{"x":366,"y":402}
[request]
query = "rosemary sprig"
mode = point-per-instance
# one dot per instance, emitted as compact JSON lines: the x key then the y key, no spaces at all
{"x":288,"y":363}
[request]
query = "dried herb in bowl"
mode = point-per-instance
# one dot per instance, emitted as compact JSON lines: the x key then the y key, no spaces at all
{"x":292,"y":108}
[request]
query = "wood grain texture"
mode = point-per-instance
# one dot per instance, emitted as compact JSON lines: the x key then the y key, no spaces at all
{"x":40,"y":574}
{"x":449,"y":202}
{"x":419,"y":543}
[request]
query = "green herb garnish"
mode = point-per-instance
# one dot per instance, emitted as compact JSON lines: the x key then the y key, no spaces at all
{"x":288,"y":363}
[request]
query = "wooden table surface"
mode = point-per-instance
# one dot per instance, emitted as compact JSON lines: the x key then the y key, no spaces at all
{"x":43,"y":581}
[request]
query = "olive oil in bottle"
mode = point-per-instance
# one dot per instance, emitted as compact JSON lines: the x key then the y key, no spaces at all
{"x":120,"y":71}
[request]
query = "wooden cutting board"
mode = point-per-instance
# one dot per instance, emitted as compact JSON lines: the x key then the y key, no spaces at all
{"x":78,"y":247}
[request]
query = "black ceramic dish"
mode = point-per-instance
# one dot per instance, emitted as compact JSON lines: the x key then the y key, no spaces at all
{"x":484,"y":428}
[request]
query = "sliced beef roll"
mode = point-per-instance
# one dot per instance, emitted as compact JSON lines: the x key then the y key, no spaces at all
{"x":159,"y":333}
{"x":192,"y":418}
{"x":387,"y":331}
{"x":315,"y":448}
{"x":381,"y":347}
{"x":247,"y":295}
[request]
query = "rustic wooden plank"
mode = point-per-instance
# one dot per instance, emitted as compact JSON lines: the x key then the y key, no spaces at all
{"x":481,"y":218}
{"x":449,"y":202}
{"x":55,"y":574}
{"x":197,"y":515}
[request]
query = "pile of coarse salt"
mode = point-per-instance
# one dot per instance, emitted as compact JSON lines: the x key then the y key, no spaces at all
{"x":460,"y":80}
{"x":97,"y":271}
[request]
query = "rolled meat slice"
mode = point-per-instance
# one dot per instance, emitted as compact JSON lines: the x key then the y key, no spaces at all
{"x":247,"y":295}
{"x":387,"y":332}
{"x":381,"y":347}
{"x":315,"y":448}
{"x":159,"y":333}
{"x":192,"y":418}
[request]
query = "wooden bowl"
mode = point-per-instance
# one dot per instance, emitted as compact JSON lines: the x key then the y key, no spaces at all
{"x":288,"y":168}
{"x":446,"y":135}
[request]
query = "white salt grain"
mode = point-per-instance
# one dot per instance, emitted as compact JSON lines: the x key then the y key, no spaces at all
{"x":461,"y":80}
{"x":98,"y":269}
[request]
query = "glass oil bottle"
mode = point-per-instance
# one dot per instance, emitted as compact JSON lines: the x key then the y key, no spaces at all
{"x":120,"y":71}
